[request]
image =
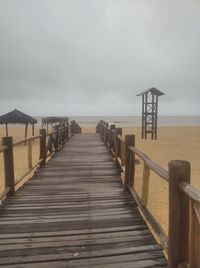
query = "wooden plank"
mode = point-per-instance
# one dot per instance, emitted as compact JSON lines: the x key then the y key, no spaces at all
{"x":75,"y":213}
{"x":75,"y":253}
{"x":90,"y":262}
{"x":90,"y":231}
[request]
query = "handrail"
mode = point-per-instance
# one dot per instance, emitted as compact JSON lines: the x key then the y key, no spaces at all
{"x":182,"y":245}
{"x":56,"y":140}
{"x":151,"y":164}
{"x":190,"y":191}
{"x":21,"y":141}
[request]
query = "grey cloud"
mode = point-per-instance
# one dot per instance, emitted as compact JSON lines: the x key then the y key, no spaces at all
{"x":82,"y":56}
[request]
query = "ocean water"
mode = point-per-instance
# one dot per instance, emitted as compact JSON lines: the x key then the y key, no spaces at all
{"x":135,"y":121}
{"x":128,"y":121}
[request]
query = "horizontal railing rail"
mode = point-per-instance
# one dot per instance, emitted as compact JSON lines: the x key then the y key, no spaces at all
{"x":182,"y":245}
{"x":151,"y":164}
{"x":23,"y":141}
{"x":48,"y":145}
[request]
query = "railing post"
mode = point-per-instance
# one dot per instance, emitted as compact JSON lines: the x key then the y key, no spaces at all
{"x":129,"y":141}
{"x":56,"y":137}
{"x":9,"y":165}
{"x":74,"y":127}
{"x":106,"y":132}
{"x":112,"y":127}
{"x":145,"y":185}
{"x":102,"y":129}
{"x":43,"y":147}
{"x":178,"y":247}
{"x":29,"y":153}
{"x":118,"y":131}
{"x":71,"y":129}
{"x":194,"y":254}
{"x":67,"y":130}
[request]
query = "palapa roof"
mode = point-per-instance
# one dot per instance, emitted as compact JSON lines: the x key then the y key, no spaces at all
{"x":17,"y":117}
{"x":54,"y":119}
{"x":153,"y":91}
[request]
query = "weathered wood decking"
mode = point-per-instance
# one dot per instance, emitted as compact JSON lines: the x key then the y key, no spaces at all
{"x":75,"y":213}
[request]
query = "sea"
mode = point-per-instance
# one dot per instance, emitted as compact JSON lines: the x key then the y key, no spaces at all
{"x":133,"y":121}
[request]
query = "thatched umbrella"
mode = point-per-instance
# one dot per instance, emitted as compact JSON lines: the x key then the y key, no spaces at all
{"x":17,"y":117}
{"x":54,"y":120}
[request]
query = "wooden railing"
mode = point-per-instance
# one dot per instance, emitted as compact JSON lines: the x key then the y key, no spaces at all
{"x":48,"y":144}
{"x":74,"y":128}
{"x":182,"y":245}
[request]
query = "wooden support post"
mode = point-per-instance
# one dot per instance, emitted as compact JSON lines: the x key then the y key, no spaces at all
{"x":49,"y":144}
{"x":33,"y":130}
{"x":194,"y":254}
{"x":111,"y":136}
{"x":142,"y":116}
{"x":6,"y":130}
{"x":118,"y":131}
{"x":26,"y":130}
{"x":145,"y":116}
{"x":156,"y":118}
{"x":9,"y":165}
{"x":67,"y":131}
{"x":62,"y":134}
{"x":56,"y":137}
{"x":132,"y":171}
{"x":178,"y":246}
{"x":29,"y":153}
{"x":97,"y":128}
{"x":72,"y":128}
{"x":129,"y":141}
{"x":43,"y":147}
{"x":145,"y":185}
{"x":106,"y":132}
{"x":102,"y":128}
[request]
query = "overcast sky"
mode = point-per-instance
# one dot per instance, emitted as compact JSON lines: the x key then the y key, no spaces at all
{"x":91,"y":57}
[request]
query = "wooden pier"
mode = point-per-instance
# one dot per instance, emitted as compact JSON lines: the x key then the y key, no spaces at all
{"x":81,"y":209}
{"x":75,"y":213}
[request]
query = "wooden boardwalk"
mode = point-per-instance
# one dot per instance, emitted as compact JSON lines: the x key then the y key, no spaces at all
{"x":75,"y":213}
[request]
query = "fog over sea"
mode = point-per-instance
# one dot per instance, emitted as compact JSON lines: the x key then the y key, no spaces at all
{"x":134,"y":121}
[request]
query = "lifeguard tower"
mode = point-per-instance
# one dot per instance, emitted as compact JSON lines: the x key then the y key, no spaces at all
{"x":150,"y":112}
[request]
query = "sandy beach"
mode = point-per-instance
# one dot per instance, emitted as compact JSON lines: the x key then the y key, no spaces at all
{"x":173,"y":143}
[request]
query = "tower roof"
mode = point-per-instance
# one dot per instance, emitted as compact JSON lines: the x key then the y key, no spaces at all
{"x":153,"y":91}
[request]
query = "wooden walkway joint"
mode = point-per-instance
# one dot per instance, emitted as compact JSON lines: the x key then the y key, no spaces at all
{"x":76,"y":213}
